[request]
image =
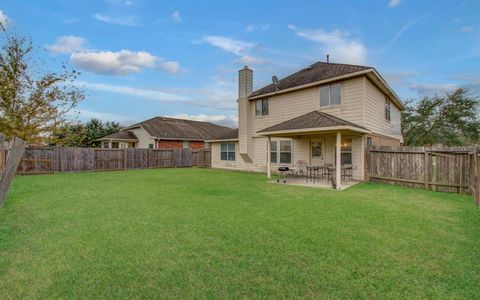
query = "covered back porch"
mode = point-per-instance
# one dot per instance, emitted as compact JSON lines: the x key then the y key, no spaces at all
{"x":330,"y":155}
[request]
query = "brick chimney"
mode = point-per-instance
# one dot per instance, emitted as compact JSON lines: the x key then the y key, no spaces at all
{"x":245,"y":88}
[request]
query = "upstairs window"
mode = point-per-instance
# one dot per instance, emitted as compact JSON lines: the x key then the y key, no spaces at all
{"x":331,"y":95}
{"x":227,"y":151}
{"x":388,"y":109}
{"x":261,"y":107}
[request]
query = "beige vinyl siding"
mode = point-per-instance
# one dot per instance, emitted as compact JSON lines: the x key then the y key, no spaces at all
{"x":144,"y":139}
{"x":300,"y":151}
{"x":238,"y":164}
{"x":290,"y":105}
{"x":375,"y":113}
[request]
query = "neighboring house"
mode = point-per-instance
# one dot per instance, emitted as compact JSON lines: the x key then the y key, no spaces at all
{"x":165,"y":133}
{"x":326,"y":113}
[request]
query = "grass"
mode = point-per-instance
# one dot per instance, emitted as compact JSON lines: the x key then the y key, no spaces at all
{"x":195,"y":233}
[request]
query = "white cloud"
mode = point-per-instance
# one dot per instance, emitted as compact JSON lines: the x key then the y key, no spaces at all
{"x":336,"y":43}
{"x":67,"y":44}
{"x":240,"y":48}
{"x":176,"y":16}
{"x":250,"y":60}
{"x":132,"y":91}
{"x":86,"y":115}
{"x":237,"y":47}
{"x":219,"y":95}
{"x":172,"y":67}
{"x":431,"y":89}
{"x":116,"y":63}
{"x":466,"y":29}
{"x":225,"y":120}
{"x":108,"y":62}
{"x":3,"y":18}
{"x":393,"y":3}
{"x":123,"y":20}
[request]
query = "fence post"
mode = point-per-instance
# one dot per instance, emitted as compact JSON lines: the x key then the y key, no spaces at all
{"x":148,"y":158}
{"x":368,"y":158}
{"x":475,"y":177}
{"x":434,"y":172}
{"x":125,"y":159}
{"x":460,"y":180}
{"x":426,"y":170}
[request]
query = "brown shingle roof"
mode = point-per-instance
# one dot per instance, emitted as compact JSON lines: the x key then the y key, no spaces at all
{"x":317,"y":72}
{"x":314,"y":119}
{"x":231,"y":135}
{"x":171,"y":128}
{"x":121,"y":135}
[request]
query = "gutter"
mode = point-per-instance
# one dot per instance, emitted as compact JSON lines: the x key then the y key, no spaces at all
{"x":222,"y":140}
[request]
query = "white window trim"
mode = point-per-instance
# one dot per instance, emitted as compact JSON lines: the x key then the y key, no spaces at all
{"x":278,"y":152}
{"x":387,"y":101}
{"x":234,"y":151}
{"x":255,"y":107}
{"x":335,"y":105}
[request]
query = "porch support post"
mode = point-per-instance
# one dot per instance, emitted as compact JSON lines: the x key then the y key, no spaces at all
{"x":110,"y":144}
{"x":269,"y":167}
{"x":338,"y":169}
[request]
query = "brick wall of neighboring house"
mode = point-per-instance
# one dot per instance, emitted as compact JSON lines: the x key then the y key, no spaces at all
{"x":166,"y":144}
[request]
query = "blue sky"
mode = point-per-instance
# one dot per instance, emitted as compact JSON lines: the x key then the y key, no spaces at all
{"x":142,"y":58}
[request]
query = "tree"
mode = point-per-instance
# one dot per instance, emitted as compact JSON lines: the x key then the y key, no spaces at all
{"x":33,"y":102}
{"x":84,"y":135}
{"x":70,"y":135}
{"x":451,"y":120}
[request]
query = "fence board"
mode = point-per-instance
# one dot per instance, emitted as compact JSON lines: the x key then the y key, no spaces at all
{"x":37,"y":160}
{"x":15,"y":153}
{"x":42,"y":160}
{"x":447,"y":169}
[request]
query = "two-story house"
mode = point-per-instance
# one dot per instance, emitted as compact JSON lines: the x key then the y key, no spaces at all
{"x":327,"y":113}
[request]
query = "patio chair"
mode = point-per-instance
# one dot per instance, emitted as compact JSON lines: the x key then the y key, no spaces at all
{"x":347,"y":171}
{"x":313,"y":174}
{"x":326,"y":171}
{"x":299,"y":167}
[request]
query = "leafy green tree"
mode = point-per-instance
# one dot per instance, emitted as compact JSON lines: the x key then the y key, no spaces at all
{"x":96,"y":129}
{"x":84,"y":135}
{"x":71,"y":135}
{"x":34,"y":103}
{"x":450,"y":120}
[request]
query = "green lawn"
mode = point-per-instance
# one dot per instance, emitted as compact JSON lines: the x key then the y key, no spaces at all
{"x":199,"y":233}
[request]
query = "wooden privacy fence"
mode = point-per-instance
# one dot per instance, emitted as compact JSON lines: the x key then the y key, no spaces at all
{"x":446,"y":169}
{"x":10,"y":160}
{"x":46,"y":160}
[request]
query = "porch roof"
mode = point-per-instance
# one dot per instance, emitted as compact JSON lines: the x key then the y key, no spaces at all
{"x":123,"y":135}
{"x":315,"y":121}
